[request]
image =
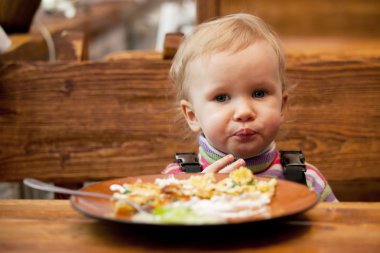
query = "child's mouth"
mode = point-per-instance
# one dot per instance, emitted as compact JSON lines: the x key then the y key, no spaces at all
{"x":244,"y":133}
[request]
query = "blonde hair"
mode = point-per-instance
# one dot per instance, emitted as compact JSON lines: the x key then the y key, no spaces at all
{"x":229,"y":33}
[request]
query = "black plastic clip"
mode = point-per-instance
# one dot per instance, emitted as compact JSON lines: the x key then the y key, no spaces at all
{"x":188,"y":162}
{"x":294,"y":167}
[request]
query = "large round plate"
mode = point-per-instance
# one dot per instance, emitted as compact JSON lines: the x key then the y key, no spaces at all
{"x":290,"y":198}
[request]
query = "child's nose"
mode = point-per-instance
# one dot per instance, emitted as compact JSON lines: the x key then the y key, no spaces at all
{"x":244,"y":111}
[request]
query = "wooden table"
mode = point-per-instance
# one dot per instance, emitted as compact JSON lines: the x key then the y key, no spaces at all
{"x":54,"y":226}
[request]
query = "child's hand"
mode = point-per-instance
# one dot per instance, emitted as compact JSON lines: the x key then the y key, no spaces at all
{"x":224,"y":165}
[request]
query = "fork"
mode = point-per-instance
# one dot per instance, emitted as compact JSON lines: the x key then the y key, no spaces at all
{"x":39,"y":185}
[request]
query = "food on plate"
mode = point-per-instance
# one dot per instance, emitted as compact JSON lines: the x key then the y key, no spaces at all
{"x":200,"y":199}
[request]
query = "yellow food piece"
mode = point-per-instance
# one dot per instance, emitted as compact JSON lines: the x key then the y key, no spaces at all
{"x":123,"y":208}
{"x":241,"y":176}
{"x":202,"y":181}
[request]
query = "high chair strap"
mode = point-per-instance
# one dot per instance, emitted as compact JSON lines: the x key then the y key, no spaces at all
{"x":188,"y":162}
{"x":294,"y":168}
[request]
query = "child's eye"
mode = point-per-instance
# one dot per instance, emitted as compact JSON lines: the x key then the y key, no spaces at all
{"x":259,"y":94}
{"x":222,"y":98}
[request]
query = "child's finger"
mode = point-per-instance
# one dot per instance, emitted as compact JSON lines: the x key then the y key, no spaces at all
{"x":219,"y":165}
{"x":233,"y":166}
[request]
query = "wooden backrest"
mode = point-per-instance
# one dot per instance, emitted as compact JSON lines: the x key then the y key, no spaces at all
{"x":333,"y":116}
{"x":84,"y":121}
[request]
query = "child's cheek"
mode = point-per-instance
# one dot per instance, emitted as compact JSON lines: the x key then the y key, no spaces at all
{"x":273,"y":120}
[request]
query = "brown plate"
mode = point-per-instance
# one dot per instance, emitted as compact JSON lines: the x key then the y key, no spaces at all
{"x":290,"y":198}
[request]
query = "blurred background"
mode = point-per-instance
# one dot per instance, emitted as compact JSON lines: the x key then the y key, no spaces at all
{"x":109,"y":25}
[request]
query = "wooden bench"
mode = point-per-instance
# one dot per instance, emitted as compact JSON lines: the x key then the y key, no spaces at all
{"x":89,"y":121}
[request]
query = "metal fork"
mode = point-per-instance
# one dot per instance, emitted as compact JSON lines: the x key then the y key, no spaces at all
{"x":39,"y":185}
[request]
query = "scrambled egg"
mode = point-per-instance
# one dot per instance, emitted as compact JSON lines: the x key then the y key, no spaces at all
{"x":163,"y":192}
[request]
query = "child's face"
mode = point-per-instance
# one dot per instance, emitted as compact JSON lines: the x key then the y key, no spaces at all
{"x":236,"y":99}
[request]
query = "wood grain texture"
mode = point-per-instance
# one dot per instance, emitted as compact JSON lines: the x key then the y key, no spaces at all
{"x":207,"y":9}
{"x":351,"y":18}
{"x":68,"y":122}
{"x":54,"y":226}
{"x":86,"y":120}
{"x":171,"y":44}
{"x":334,"y":113}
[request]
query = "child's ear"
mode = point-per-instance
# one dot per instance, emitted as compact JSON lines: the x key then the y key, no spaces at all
{"x":191,"y":118}
{"x":284,"y":103}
